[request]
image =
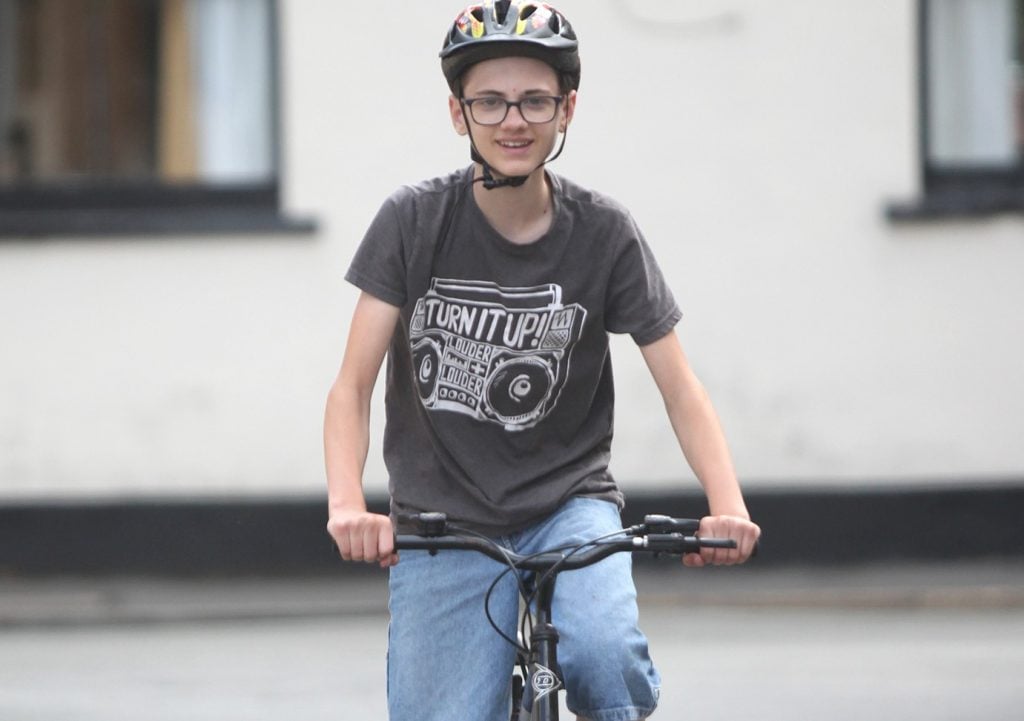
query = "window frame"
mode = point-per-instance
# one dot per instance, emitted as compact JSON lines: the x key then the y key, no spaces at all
{"x":150,"y":207}
{"x":964,"y":191}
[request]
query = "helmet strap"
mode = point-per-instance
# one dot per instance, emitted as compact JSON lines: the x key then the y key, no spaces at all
{"x":512,"y":181}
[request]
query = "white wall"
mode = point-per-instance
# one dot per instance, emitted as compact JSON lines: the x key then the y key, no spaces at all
{"x":756,"y":143}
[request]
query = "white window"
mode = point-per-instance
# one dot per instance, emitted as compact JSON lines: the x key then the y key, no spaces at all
{"x":972,"y":109}
{"x":125,"y":105}
{"x":974,"y":81}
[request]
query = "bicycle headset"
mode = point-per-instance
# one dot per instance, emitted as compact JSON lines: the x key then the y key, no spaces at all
{"x":510,"y":28}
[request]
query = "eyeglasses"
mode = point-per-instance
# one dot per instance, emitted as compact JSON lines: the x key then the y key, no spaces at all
{"x":492,"y":110}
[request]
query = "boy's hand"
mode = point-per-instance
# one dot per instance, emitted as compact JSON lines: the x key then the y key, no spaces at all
{"x":363,"y":536}
{"x":739,"y":529}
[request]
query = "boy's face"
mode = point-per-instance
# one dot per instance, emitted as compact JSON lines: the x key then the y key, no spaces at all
{"x":514,"y":146}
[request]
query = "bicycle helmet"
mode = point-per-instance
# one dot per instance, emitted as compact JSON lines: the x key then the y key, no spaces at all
{"x":500,"y":28}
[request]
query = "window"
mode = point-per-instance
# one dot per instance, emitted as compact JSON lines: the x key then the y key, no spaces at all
{"x":138,"y":116}
{"x":972,"y":108}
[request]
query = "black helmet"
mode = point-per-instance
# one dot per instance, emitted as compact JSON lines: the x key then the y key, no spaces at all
{"x":500,"y":28}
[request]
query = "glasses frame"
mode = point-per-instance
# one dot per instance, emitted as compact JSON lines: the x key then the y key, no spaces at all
{"x":517,"y":104}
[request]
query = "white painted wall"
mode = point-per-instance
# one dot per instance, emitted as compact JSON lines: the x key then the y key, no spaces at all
{"x":756,"y":143}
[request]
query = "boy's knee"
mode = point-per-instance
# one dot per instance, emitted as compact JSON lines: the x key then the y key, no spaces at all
{"x":609,"y":649}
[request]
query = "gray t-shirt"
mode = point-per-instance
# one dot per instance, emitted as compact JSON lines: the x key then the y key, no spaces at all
{"x":499,"y":381}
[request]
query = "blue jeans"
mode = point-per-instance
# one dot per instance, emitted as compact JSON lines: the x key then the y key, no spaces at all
{"x":446,"y":663}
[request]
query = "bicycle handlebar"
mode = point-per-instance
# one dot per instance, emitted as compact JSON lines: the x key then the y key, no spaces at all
{"x":657,"y":534}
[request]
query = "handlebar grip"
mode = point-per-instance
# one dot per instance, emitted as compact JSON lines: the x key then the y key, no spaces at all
{"x":678,"y":543}
{"x":717,"y":542}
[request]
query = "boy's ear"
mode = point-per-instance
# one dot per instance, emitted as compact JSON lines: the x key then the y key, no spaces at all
{"x":458,"y":117}
{"x":570,"y":110}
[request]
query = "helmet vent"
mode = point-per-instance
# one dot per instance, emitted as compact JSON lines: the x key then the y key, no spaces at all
{"x":527,"y":12}
{"x":501,"y":8}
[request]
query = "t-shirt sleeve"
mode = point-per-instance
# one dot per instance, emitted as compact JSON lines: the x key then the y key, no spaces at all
{"x":639,"y":300}
{"x":379,"y":264}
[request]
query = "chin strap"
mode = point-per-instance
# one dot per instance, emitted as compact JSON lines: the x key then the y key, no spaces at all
{"x":511,"y":181}
{"x":488,"y":179}
{"x":490,"y":182}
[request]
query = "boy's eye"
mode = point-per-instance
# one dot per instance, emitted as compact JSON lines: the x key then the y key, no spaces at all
{"x":490,"y":103}
{"x":536,"y":103}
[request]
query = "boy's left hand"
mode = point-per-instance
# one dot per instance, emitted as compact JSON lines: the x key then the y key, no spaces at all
{"x":739,"y":529}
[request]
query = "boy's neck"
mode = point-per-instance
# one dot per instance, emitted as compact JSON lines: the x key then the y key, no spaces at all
{"x":521,"y":214}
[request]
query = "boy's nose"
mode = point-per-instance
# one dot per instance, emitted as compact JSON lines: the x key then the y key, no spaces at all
{"x":517,"y":120}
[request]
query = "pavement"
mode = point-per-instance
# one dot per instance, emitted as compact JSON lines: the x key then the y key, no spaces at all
{"x":70,"y":601}
{"x":895,"y":642}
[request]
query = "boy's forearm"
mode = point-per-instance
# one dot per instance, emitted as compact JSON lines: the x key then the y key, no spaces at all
{"x":696,"y":425}
{"x":346,"y":445}
{"x":702,"y":440}
{"x":347,"y":417}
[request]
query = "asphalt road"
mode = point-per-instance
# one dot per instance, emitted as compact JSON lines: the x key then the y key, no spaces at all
{"x":928,"y":655}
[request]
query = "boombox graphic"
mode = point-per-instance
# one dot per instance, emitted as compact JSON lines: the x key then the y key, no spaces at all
{"x":497,"y":354}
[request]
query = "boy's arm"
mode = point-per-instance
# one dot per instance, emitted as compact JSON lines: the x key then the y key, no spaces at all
{"x":702,"y":441}
{"x":359,"y":535}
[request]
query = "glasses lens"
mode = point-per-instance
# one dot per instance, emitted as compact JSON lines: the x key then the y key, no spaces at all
{"x":488,"y":111}
{"x":538,"y":109}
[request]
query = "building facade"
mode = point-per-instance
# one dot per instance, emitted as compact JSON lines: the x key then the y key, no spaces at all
{"x":835,"y":201}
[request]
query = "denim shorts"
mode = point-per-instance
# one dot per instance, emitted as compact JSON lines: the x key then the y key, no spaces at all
{"x":446,"y":662}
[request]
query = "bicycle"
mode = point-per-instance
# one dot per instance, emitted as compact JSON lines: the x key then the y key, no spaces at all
{"x":536,"y":685}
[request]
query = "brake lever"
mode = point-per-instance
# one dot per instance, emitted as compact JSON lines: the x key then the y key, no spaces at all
{"x":667,"y":524}
{"x":429,"y":524}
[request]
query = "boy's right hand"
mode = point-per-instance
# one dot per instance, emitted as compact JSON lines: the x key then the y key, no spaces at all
{"x":363,"y":536}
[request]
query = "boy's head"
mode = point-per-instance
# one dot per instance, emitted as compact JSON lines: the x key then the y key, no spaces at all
{"x":504,"y":28}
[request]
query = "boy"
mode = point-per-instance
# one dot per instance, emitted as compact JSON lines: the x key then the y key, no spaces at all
{"x":492,"y":292}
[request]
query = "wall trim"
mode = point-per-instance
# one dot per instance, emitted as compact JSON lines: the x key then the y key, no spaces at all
{"x":286,"y":536}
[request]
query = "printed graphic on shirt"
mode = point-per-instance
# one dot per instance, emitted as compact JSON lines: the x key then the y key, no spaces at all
{"x":496,"y":354}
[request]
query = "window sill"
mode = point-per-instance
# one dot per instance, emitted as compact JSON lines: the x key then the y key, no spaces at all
{"x":960,"y":203}
{"x":92,"y":223}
